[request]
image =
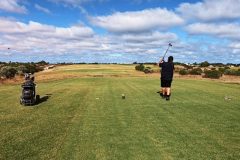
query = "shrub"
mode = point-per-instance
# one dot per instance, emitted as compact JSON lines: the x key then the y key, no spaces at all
{"x":196,"y":71}
{"x":215,"y":74}
{"x":222,"y":69}
{"x":140,"y":67}
{"x":183,"y":72}
{"x":8,"y":72}
{"x":232,"y":72}
{"x":148,"y":70}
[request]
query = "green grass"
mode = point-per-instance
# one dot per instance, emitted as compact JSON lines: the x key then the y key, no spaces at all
{"x":85,"y":118}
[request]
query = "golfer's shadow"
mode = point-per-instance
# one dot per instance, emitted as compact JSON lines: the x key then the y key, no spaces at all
{"x":44,"y":98}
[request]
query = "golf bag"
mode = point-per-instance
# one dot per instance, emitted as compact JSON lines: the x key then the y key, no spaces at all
{"x":28,"y":96}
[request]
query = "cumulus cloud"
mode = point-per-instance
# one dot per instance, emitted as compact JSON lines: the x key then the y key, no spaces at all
{"x":35,"y":39}
{"x":36,"y":29}
{"x":40,"y":8}
{"x":138,"y":21}
{"x":12,"y":6}
{"x":226,"y":30}
{"x":235,"y":46}
{"x":210,"y":10}
{"x":52,"y":43}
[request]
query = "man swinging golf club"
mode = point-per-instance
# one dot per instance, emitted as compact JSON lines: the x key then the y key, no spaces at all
{"x":167,"y":70}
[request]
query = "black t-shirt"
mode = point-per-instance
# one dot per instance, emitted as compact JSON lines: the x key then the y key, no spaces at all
{"x":167,"y":70}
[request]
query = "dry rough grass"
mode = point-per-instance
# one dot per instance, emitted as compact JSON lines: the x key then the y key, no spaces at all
{"x":87,"y":70}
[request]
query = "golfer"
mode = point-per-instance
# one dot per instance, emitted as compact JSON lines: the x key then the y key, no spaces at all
{"x":166,"y":77}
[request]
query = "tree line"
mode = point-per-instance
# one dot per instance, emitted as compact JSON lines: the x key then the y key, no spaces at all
{"x":206,"y":69}
{"x":8,"y":70}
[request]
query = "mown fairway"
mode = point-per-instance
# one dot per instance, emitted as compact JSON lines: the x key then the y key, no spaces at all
{"x":82,"y":116}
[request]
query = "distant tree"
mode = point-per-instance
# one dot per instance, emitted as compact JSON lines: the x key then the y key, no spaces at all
{"x":204,"y":64}
{"x":135,"y":62}
{"x":2,"y":62}
{"x":42,"y":63}
{"x":178,"y":63}
{"x":195,"y":63}
{"x":231,"y":64}
{"x":218,"y":64}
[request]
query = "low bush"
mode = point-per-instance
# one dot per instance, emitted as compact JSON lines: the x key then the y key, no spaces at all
{"x":140,"y":67}
{"x":183,"y":72}
{"x":148,"y":70}
{"x":232,"y":72}
{"x":8,"y":72}
{"x":196,"y":71}
{"x":214,"y":74}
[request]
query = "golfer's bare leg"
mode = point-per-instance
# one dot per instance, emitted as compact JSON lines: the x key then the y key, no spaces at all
{"x":168,"y":90}
{"x":164,"y":91}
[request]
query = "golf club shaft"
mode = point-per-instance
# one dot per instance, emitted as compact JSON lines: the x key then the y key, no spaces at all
{"x":166,"y":52}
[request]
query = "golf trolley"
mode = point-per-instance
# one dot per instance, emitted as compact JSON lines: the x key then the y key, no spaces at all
{"x":29,"y":96}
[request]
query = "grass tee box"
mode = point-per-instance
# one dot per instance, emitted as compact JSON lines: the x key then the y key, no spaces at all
{"x":85,"y":117}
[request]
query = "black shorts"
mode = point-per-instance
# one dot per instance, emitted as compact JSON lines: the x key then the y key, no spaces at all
{"x":166,"y":83}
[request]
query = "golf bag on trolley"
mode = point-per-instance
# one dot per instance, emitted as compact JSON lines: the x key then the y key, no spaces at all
{"x":28,"y":96}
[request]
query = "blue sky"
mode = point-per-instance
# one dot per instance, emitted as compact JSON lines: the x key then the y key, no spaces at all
{"x":119,"y":31}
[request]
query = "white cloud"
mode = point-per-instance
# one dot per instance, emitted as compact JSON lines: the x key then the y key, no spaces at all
{"x":226,"y":30}
{"x":36,"y":29}
{"x":209,"y":10}
{"x":12,"y":6}
{"x":235,"y":47}
{"x":149,"y":37}
{"x":139,"y":21}
{"x":36,"y":39}
{"x":40,"y":8}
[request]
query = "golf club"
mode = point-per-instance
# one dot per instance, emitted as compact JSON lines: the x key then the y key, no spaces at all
{"x":169,"y":45}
